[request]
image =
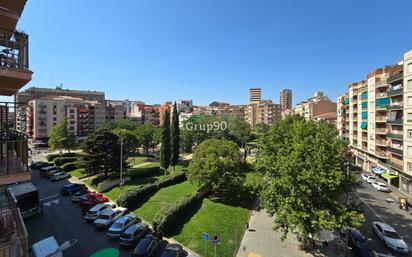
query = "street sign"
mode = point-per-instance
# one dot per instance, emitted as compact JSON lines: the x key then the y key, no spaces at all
{"x":205,"y":236}
{"x":215,"y":239}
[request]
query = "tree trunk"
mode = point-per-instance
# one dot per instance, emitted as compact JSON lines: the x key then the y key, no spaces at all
{"x":244,"y":154}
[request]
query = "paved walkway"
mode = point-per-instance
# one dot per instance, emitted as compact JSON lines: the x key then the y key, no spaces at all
{"x":262,"y":241}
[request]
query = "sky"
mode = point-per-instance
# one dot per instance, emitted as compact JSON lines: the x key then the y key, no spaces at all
{"x":159,"y":50}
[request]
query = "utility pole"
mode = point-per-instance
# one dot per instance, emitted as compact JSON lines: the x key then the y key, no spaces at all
{"x":121,"y":164}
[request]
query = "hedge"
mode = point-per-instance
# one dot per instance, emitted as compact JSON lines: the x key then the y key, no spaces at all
{"x":70,"y":166}
{"x":144,"y":173}
{"x":136,"y":195}
{"x":169,"y":217}
{"x":59,"y":161}
{"x":51,"y":157}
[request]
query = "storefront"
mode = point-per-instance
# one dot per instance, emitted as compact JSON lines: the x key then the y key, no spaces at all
{"x":391,"y":179}
{"x":405,"y":185}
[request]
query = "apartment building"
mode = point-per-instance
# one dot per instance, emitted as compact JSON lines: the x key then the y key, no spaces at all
{"x":264,"y":112}
{"x":315,"y":107}
{"x":255,"y":95}
{"x":285,"y":99}
{"x":145,"y":114}
{"x":14,"y":74}
{"x":371,"y":119}
{"x":115,"y":110}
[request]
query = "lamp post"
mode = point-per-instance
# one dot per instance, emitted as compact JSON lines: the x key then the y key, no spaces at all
{"x":121,"y":164}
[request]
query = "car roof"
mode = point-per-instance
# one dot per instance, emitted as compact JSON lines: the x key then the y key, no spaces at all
{"x":173,"y":247}
{"x":108,"y":212}
{"x":45,"y":247}
{"x":97,"y":206}
{"x":135,"y":227}
{"x":386,"y":227}
{"x":356,"y":234}
{"x":381,"y":183}
{"x":122,"y":219}
{"x":120,"y":209}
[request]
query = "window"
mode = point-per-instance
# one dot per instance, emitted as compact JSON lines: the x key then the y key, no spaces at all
{"x":409,"y":117}
{"x":409,"y":167}
{"x":409,"y":150}
{"x":409,"y":133}
{"x":409,"y":100}
{"x":409,"y":84}
{"x":71,"y":111}
{"x":409,"y":67}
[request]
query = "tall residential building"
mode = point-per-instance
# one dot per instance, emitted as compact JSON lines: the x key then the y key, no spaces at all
{"x":264,"y":112}
{"x":115,"y":110}
{"x":378,"y":123}
{"x":286,"y":99}
{"x":255,"y":95}
{"x":316,"y":107}
{"x":165,"y":106}
{"x":14,"y":74}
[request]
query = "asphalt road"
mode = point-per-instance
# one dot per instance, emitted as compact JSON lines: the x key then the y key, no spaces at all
{"x":378,"y":209}
{"x":64,"y":220}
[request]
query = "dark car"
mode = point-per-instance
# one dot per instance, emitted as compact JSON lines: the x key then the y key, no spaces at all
{"x":78,"y":194}
{"x":133,"y":234}
{"x":47,"y":171}
{"x":147,"y":246}
{"x":173,"y":250}
{"x":359,"y":245}
{"x":39,"y":165}
{"x":71,"y":188}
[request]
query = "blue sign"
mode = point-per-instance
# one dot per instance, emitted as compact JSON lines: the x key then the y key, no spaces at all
{"x":205,"y":236}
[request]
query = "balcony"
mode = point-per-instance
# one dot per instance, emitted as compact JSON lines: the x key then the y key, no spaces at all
{"x":381,"y":142}
{"x":395,"y":92}
{"x":381,"y":119}
{"x":394,"y":136}
{"x":381,"y":154}
{"x":395,"y":150}
{"x":398,"y":165}
{"x":395,"y":106}
{"x":394,"y":78}
{"x":395,"y":121}
{"x":380,"y":95}
{"x":14,"y":62}
{"x":13,"y":157}
{"x":364,"y":139}
{"x":381,"y":131}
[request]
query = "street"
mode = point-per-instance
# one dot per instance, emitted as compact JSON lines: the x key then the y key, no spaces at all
{"x":377,"y":209}
{"x":64,"y":220}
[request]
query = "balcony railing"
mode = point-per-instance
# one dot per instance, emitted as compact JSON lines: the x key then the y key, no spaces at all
{"x":394,"y":136}
{"x":395,"y":106}
{"x":395,"y":92}
{"x":14,"y":51}
{"x":395,"y":77}
{"x":381,"y":119}
{"x":381,"y":142}
{"x":395,"y":165}
{"x":381,"y":154}
{"x":380,"y":131}
{"x":395,"y":150}
{"x":380,"y":94}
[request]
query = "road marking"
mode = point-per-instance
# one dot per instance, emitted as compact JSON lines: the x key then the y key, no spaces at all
{"x":48,"y":197}
{"x":48,"y":204}
{"x":370,"y":208}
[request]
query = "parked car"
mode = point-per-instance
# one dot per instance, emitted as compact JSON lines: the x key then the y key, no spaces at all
{"x":108,"y":216}
{"x":45,"y":171}
{"x":380,"y":186}
{"x":133,"y":234}
{"x":121,"y":224}
{"x":39,"y":165}
{"x":173,"y":250}
{"x":390,"y":237}
{"x":71,"y":188}
{"x":94,"y":212}
{"x":78,"y":194}
{"x":369,"y":178}
{"x":147,"y":246}
{"x":90,"y":200}
{"x":360,"y":246}
{"x":45,"y":248}
{"x":59,"y":176}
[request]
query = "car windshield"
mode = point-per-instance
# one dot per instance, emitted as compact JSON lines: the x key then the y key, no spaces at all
{"x":117,"y":225}
{"x":126,"y":236}
{"x":143,"y":245}
{"x":104,"y":217}
{"x":391,"y":234}
{"x":92,"y":212}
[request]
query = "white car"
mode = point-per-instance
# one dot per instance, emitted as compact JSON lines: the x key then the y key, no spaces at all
{"x":108,"y":216}
{"x":380,"y":186}
{"x":368,"y":178}
{"x":391,"y":238}
{"x":59,"y":176}
{"x":96,"y":210}
{"x":121,"y":224}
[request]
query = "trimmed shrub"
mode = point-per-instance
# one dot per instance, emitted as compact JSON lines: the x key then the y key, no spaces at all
{"x":176,"y":179}
{"x":51,"y":157}
{"x":171,"y":216}
{"x":136,"y":195}
{"x":144,"y":173}
{"x":70,"y":166}
{"x":59,"y":161}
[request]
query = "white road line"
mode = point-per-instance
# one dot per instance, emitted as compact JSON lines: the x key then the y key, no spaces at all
{"x":370,"y":208}
{"x":48,"y":197}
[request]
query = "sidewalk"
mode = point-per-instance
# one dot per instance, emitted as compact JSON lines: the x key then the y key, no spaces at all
{"x":262,"y":241}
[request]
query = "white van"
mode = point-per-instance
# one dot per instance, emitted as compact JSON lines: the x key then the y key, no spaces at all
{"x":45,"y":248}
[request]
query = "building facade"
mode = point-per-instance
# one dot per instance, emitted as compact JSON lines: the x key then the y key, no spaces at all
{"x":264,"y":112}
{"x":317,"y":106}
{"x":375,"y":118}
{"x":285,"y":99}
{"x":255,"y":95}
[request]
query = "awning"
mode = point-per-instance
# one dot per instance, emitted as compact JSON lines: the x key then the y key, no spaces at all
{"x":388,"y":175}
{"x":364,"y":125}
{"x":378,"y":170}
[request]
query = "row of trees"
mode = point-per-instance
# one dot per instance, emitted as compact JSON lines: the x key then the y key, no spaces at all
{"x":170,"y":143}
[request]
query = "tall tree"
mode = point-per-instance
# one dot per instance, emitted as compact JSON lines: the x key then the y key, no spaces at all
{"x":102,"y":150}
{"x":165,"y":143}
{"x":215,"y":166}
{"x":61,"y":138}
{"x":306,"y":184}
{"x":175,"y":135}
{"x":130,"y":140}
{"x":147,"y":136}
{"x":240,"y":133}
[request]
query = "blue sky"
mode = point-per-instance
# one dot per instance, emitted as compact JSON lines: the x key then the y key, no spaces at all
{"x":154,"y":50}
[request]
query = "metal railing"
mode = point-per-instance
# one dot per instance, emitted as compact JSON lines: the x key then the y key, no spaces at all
{"x":14,"y":50}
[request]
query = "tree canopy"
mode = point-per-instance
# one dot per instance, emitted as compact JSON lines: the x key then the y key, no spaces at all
{"x":239,"y":132}
{"x":61,"y":138}
{"x":215,"y":166}
{"x":147,"y":135}
{"x":306,"y":183}
{"x":165,"y":146}
{"x":175,"y":138}
{"x":130,"y":140}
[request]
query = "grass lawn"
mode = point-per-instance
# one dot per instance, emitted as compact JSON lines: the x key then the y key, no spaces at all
{"x":133,"y":161}
{"x":228,"y":222}
{"x":163,"y":198}
{"x":78,"y":173}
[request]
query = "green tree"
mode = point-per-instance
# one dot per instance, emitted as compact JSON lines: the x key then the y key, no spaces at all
{"x":147,"y":136}
{"x":175,"y":138}
{"x":165,"y":144}
{"x":306,"y":185}
{"x":215,"y":166}
{"x":120,"y":124}
{"x":130,"y":140}
{"x":61,"y":138}
{"x":103,"y":152}
{"x":239,"y":132}
{"x":186,"y":140}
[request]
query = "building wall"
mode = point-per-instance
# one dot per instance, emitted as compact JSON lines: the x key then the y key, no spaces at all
{"x":255,"y":95}
{"x":286,"y":99}
{"x":407,"y":121}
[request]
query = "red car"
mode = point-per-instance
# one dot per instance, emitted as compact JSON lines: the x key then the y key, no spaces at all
{"x":91,"y":199}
